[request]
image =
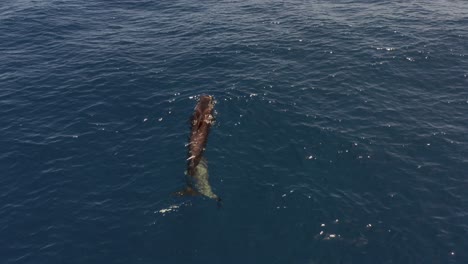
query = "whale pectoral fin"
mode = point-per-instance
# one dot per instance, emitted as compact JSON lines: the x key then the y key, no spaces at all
{"x":188,"y":191}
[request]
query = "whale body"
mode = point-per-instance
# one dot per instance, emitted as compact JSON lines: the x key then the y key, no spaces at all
{"x":201,"y":122}
{"x":199,"y":181}
{"x":197,"y":167}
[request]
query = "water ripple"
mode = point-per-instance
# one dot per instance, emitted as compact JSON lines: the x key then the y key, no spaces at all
{"x":340,"y":134}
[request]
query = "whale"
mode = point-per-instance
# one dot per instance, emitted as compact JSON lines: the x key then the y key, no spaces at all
{"x":196,"y":175}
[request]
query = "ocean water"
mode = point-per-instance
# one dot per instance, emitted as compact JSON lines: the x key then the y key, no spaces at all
{"x":341,"y":133}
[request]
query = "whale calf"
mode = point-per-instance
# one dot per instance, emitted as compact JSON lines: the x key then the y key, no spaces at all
{"x":197,"y":166}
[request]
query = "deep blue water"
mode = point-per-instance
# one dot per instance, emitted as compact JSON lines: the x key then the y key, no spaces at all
{"x":341,"y":134}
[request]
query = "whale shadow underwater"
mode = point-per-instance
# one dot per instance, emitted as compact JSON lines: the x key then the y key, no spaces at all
{"x":196,"y":175}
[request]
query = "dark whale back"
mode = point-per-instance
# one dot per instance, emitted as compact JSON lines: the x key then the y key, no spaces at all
{"x":201,"y":121}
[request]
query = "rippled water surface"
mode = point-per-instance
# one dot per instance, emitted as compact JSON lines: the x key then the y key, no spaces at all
{"x":341,"y":132}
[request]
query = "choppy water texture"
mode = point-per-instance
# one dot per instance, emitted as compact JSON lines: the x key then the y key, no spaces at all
{"x":341,"y":132}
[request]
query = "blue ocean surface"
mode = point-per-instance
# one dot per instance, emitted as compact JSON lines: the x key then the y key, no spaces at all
{"x":341,"y":131}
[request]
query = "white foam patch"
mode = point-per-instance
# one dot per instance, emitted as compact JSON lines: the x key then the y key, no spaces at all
{"x":172,"y":208}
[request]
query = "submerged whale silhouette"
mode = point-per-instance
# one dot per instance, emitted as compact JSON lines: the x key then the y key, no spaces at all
{"x":198,"y":183}
{"x":197,"y":167}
